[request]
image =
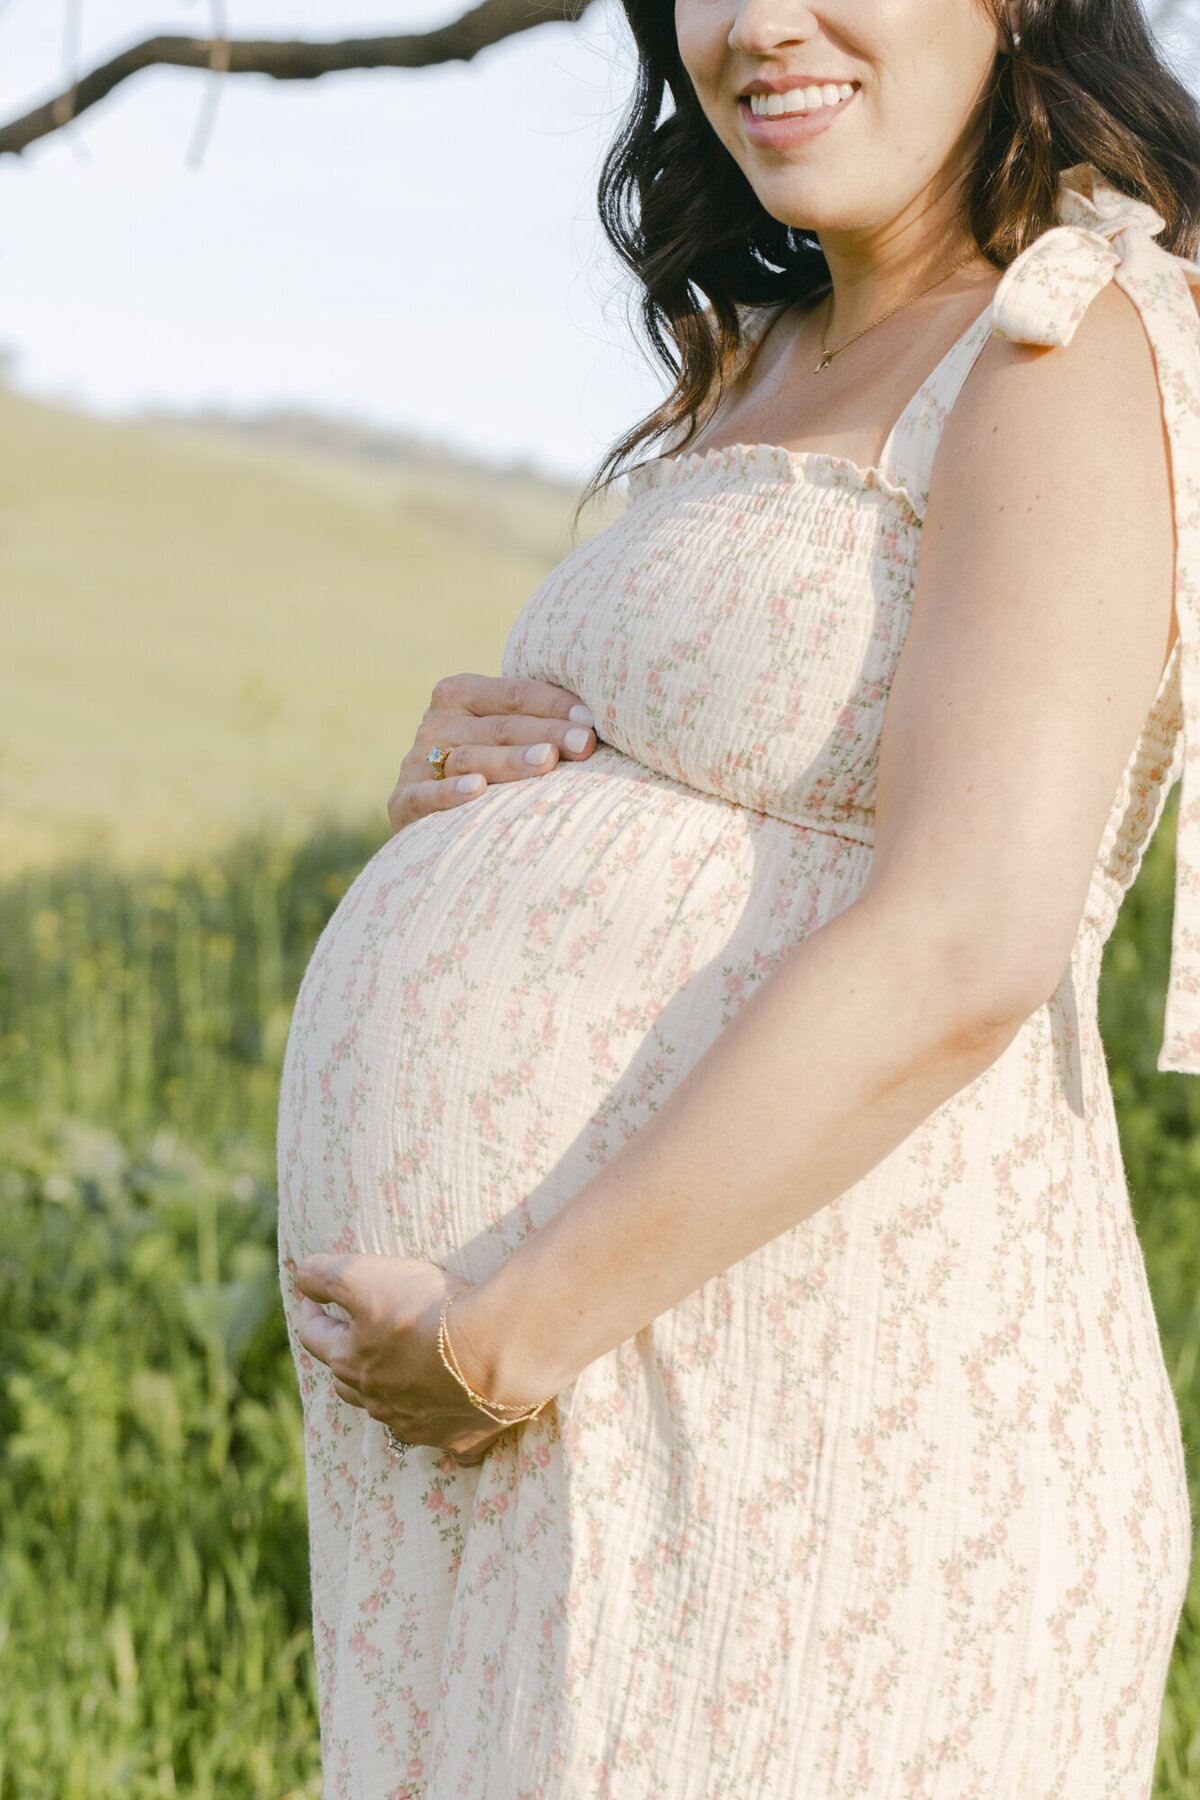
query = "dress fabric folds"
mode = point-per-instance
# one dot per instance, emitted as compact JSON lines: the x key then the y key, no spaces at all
{"x":895,"y":1508}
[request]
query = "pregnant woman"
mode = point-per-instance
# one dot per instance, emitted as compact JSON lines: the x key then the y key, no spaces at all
{"x":728,"y":1366}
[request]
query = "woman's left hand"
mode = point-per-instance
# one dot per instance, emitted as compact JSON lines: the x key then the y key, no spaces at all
{"x":385,"y":1358}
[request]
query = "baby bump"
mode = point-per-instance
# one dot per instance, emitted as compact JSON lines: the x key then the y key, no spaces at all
{"x":510,"y":988}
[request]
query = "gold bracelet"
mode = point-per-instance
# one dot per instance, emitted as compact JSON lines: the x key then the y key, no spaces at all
{"x":496,"y":1410}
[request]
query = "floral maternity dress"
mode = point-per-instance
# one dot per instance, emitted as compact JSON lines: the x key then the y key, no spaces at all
{"x":894,"y":1508}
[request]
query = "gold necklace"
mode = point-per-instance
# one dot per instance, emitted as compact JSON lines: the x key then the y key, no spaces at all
{"x":827,"y":356}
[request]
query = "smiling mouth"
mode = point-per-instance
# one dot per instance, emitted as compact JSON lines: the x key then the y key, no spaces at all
{"x":800,"y":100}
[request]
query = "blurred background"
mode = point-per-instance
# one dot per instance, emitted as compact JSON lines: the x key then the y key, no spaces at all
{"x":298,"y":384}
{"x":318,"y":365}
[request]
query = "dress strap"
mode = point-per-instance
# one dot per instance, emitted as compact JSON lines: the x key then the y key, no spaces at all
{"x":908,"y":455}
{"x":753,"y":322}
{"x":1105,"y":236}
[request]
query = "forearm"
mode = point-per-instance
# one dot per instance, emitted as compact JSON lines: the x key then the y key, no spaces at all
{"x":851,"y":1042}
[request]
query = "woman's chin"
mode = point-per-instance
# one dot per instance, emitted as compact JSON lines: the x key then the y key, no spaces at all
{"x":832,"y":198}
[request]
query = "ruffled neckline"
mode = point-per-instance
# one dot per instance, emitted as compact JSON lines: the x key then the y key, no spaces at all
{"x":772,"y":462}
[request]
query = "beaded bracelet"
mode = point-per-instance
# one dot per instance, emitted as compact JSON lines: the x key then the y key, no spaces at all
{"x":496,"y":1410}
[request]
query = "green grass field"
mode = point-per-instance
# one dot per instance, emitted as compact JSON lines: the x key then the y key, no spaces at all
{"x":205,"y":630}
{"x":153,"y":1583}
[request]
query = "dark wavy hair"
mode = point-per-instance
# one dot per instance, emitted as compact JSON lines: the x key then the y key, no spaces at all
{"x":1086,"y":82}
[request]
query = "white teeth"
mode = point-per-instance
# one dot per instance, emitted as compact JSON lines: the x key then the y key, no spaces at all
{"x":800,"y":100}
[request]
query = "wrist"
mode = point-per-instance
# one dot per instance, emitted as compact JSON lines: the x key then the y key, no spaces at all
{"x":496,"y":1341}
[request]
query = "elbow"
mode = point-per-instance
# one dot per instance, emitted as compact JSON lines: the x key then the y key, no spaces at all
{"x":975,"y":978}
{"x":984,"y":1024}
{"x":989,"y":988}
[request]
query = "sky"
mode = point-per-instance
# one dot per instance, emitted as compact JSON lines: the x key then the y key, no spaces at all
{"x":415,"y":249}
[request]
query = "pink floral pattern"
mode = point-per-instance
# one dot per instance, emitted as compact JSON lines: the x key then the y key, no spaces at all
{"x":895,"y":1506}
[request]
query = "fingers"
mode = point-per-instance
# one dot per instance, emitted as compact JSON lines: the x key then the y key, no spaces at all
{"x":461,"y":783}
{"x":484,"y":695}
{"x":322,"y":1278}
{"x":533,"y":724}
{"x":414,"y":800}
{"x":324,"y":1337}
{"x":570,"y":737}
{"x":474,"y":764}
{"x":535,"y":758}
{"x":472,"y":1462}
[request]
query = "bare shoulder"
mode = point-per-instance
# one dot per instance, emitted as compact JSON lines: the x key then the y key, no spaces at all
{"x":1053,"y":480}
{"x":1088,"y":412}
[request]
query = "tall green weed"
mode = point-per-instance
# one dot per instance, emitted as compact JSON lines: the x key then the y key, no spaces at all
{"x":154,"y":1621}
{"x":153,"y":1589}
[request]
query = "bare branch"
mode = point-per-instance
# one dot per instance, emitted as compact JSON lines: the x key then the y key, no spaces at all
{"x":459,"y":41}
{"x":219,"y":25}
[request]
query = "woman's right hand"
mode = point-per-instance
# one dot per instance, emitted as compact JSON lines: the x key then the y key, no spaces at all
{"x":501,"y":729}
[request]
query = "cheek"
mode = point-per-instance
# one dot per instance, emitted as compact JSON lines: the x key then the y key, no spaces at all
{"x":930,"y":87}
{"x":702,"y":33}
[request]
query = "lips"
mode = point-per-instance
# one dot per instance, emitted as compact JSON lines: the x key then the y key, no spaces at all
{"x":782,"y":115}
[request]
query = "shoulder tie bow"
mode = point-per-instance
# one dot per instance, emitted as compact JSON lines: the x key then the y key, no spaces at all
{"x":1105,"y":236}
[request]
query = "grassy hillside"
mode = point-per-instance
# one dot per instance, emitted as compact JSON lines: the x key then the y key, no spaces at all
{"x":204,"y":629}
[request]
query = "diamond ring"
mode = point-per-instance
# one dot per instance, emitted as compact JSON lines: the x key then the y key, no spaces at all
{"x":437,"y":757}
{"x":398,"y":1446}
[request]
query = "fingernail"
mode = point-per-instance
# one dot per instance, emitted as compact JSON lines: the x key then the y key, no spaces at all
{"x":470,"y":784}
{"x":537,"y":753}
{"x":582,"y":715}
{"x":576,"y":740}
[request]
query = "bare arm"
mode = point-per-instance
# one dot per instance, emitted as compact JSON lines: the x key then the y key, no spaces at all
{"x":1042,"y":622}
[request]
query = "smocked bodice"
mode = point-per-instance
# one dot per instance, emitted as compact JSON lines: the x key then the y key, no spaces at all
{"x":738,"y":628}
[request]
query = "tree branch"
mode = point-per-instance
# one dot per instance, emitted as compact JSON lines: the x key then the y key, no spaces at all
{"x":459,"y":41}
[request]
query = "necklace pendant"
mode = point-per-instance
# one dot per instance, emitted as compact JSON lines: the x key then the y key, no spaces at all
{"x":824,"y":362}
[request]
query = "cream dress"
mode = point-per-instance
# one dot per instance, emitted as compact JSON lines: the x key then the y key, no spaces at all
{"x":894,"y":1508}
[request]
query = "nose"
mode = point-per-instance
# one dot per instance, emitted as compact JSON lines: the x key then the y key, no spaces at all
{"x":761,"y":26}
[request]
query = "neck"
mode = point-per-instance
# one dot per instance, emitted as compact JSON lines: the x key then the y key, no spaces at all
{"x":875,"y":267}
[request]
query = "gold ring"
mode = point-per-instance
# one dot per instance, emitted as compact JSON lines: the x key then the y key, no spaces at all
{"x":438,"y":758}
